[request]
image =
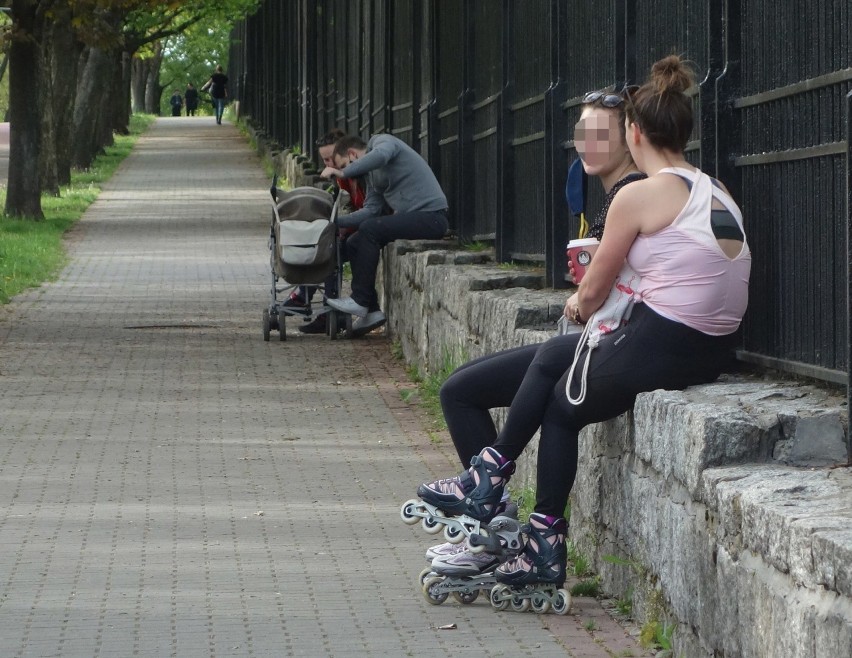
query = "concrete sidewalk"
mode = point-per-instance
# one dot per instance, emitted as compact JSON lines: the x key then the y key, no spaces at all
{"x":171,"y":484}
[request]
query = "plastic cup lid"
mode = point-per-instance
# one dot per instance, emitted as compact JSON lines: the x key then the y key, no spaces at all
{"x":583,"y":242}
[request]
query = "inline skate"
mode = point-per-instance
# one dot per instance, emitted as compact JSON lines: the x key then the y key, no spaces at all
{"x":461,"y":504}
{"x":465,"y":573}
{"x":534,"y":579}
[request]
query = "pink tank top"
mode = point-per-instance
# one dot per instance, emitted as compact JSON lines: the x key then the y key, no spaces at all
{"x":686,"y":277}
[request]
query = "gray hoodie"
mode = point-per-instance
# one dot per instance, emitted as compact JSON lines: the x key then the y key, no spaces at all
{"x":397,"y":176}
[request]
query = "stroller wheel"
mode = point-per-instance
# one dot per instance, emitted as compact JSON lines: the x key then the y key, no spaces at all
{"x":348,"y":325}
{"x":282,"y":328}
{"x":266,"y":324}
{"x":332,"y":324}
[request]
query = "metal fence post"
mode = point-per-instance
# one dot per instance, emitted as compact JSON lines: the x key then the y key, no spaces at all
{"x":848,"y":274}
{"x":466,"y":201}
{"x":504,"y":238}
{"x":556,"y":164}
{"x":708,"y":100}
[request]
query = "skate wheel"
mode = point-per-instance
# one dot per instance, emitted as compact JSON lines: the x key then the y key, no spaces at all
{"x":466,"y":598}
{"x":499,"y":597}
{"x":430,"y":525}
{"x":453,"y":535}
{"x":540,"y":603}
{"x":520,"y":603}
{"x":429,"y":593}
{"x":563,"y":602}
{"x":476,"y":549}
{"x":407,"y":514}
{"x":424,"y":576}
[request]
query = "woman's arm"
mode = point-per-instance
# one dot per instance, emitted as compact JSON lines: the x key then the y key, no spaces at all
{"x":623,"y":224}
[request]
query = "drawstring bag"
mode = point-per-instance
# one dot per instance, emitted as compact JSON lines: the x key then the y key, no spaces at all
{"x":612,"y":315}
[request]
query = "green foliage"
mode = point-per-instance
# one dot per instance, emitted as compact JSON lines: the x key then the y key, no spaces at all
{"x":475,"y":246}
{"x":193,"y":51}
{"x":32,"y":252}
{"x":589,"y":587}
{"x":429,"y":386}
{"x":525,"y":497}
{"x":591,"y":626}
{"x":579,"y":562}
{"x":657,"y":635}
{"x":624,"y":605}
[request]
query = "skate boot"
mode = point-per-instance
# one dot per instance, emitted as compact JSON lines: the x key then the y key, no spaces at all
{"x":461,"y":503}
{"x":501,"y":535}
{"x":535,"y":578}
{"x":464,"y":575}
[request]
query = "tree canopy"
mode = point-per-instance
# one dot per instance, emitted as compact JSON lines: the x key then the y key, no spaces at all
{"x":70,"y":73}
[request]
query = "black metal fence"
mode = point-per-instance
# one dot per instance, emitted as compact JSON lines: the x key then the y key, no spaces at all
{"x":488,"y":92}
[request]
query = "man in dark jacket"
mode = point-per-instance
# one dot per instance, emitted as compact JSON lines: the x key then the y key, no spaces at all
{"x":399,"y":178}
{"x":176,"y":102}
{"x":190,"y":97}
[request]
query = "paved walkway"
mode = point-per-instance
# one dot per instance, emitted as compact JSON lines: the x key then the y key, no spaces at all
{"x":171,"y":484}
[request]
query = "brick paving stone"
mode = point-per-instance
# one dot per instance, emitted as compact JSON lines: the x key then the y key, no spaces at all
{"x":174,"y":485}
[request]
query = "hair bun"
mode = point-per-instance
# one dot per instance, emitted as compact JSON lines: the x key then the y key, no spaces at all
{"x":671,"y":74}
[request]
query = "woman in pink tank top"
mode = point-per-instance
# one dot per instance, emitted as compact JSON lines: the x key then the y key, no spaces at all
{"x":684,"y":235}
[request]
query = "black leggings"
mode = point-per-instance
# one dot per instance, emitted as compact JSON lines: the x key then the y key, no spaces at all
{"x":650,"y":353}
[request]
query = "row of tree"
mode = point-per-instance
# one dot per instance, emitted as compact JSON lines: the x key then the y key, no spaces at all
{"x":72,"y":64}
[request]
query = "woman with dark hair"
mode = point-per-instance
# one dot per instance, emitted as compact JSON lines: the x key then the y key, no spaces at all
{"x":683,"y":234}
{"x":218,"y":87}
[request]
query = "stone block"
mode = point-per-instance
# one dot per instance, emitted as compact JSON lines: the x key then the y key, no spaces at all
{"x":691,"y":491}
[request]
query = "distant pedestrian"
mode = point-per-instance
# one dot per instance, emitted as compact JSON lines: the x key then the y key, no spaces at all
{"x":190,"y":97}
{"x":218,"y":86}
{"x":176,"y":102}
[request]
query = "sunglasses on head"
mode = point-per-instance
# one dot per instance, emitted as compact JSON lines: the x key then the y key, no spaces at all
{"x":605,"y":98}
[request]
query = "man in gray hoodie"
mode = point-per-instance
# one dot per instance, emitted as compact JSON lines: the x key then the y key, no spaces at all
{"x":397,"y":178}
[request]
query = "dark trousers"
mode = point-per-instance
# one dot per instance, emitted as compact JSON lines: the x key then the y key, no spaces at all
{"x":650,"y":353}
{"x":330,"y":284}
{"x":366,"y":244}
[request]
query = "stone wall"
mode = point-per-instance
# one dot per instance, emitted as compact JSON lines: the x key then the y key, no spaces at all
{"x":716,"y":506}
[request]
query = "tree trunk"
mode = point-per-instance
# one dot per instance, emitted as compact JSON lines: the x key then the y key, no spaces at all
{"x":120,"y":96}
{"x":139,"y":78}
{"x":47,"y":151}
{"x":94,"y":84}
{"x":153,"y":90}
{"x":59,"y":84}
{"x":23,"y":194}
{"x":66,"y":94}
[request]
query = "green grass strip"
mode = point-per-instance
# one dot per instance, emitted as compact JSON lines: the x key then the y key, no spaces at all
{"x":32,"y":252}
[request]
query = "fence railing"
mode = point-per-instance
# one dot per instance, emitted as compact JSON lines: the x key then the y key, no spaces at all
{"x":488,"y":91}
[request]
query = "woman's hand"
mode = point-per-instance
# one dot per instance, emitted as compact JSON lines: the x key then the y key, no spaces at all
{"x":571,"y":271}
{"x":328,"y":172}
{"x":572,"y":309}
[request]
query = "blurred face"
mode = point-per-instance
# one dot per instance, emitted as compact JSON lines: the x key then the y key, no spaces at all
{"x":326,"y":154}
{"x":597,"y":137}
{"x":340,"y":161}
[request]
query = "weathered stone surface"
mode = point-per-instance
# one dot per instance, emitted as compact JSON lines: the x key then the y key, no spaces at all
{"x":680,"y":500}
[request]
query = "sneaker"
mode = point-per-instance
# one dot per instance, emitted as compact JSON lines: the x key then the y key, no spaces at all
{"x":363,"y":326}
{"x":295,"y":303}
{"x":444,"y":550}
{"x":465,"y":563}
{"x":348,"y":305}
{"x":319,"y":325}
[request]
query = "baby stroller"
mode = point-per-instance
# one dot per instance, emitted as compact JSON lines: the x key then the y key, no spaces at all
{"x":304,"y":250}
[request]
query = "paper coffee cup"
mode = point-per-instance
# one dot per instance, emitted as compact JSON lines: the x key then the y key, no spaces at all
{"x":580,"y":252}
